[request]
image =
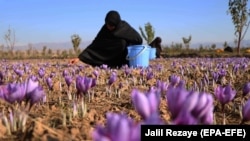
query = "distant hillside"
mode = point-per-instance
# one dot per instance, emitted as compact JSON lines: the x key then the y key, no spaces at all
{"x":244,"y":43}
{"x":53,"y":46}
{"x":68,"y":45}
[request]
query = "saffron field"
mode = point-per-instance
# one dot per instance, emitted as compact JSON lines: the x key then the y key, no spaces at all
{"x":52,"y":100}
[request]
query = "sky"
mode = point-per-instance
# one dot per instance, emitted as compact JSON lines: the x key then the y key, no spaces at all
{"x":39,"y":21}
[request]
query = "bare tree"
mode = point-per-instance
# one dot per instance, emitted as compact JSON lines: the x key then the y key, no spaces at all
{"x":29,"y":51}
{"x":10,"y":39}
{"x":240,"y":14}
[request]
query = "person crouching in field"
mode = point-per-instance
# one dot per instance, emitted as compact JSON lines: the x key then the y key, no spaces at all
{"x":110,"y":45}
{"x":156,"y":43}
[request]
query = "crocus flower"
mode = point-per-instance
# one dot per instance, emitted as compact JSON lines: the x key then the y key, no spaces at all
{"x":49,"y":83}
{"x":36,"y":95}
{"x":33,"y":77}
{"x":112,"y":78}
{"x":246,"y":89}
{"x":175,"y":99}
{"x":96,"y":73}
{"x":185,"y":118}
{"x":104,"y":66}
{"x":15,"y":92}
{"x":146,"y":104}
{"x":41,"y":72}
{"x":150,"y":75}
{"x":142,"y":72}
{"x":215,"y":76}
{"x":19,"y":72}
{"x":127,"y":71}
{"x":224,"y":94}
{"x":246,"y":111}
{"x":3,"y":91}
{"x":162,"y":86}
{"x":65,"y":73}
{"x":174,"y":80}
{"x":83,"y":84}
{"x":52,"y":74}
{"x":153,"y":119}
{"x":222,"y":72}
{"x":190,"y":107}
{"x":68,"y":79}
{"x":1,"y":78}
{"x":236,"y":68}
{"x":118,"y":128}
{"x":26,"y":69}
{"x":31,"y":85}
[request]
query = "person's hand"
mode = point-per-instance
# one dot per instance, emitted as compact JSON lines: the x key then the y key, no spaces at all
{"x":74,"y":61}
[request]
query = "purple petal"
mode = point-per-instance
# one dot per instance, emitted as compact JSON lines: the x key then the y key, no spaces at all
{"x":141,"y":103}
{"x":246,"y":111}
{"x":122,"y":131}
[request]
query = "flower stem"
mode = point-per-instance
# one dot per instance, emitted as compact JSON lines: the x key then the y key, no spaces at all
{"x":224,"y":114}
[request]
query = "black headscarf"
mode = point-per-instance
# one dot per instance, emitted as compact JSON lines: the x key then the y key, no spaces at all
{"x":113,"y":18}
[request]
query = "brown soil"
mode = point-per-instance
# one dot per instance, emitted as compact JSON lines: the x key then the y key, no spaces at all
{"x":47,"y":122}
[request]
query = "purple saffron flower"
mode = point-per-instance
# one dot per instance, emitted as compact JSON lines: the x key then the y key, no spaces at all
{"x":175,"y":99}
{"x":246,"y":89}
{"x":68,"y":79}
{"x":83,"y":84}
{"x":96,"y":73}
{"x":93,"y":83}
{"x":142,"y":72}
{"x":150,"y":75}
{"x":174,"y":80}
{"x":246,"y":111}
{"x":224,"y":94}
{"x":19,"y":72}
{"x":222,"y":73}
{"x":146,"y":104}
{"x":118,"y":128}
{"x":236,"y":68}
{"x":65,"y":73}
{"x":185,"y":118}
{"x":215,"y":76}
{"x":190,"y":107}
{"x":41,"y":72}
{"x":3,"y":91}
{"x":30,"y":85}
{"x":1,"y":78}
{"x":49,"y":83}
{"x":37,"y":95}
{"x":127,"y":71}
{"x":26,"y":69}
{"x":15,"y":92}
{"x":159,"y":67}
{"x":112,"y":78}
{"x":104,"y":66}
{"x":52,"y":74}
{"x":162,"y":86}
{"x":181,"y":84}
{"x":153,"y":119}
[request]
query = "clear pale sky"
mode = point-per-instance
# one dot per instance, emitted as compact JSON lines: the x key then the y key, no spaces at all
{"x":36,"y":21}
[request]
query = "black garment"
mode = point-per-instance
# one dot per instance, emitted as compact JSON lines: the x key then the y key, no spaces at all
{"x":113,"y":18}
{"x":110,"y":47}
{"x":228,"y":49}
{"x":156,"y":43}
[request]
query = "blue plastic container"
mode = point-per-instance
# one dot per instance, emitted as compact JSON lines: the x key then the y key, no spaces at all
{"x":138,"y":55}
{"x":152,"y":53}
